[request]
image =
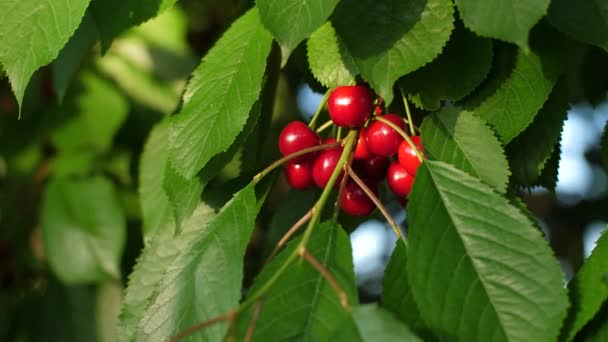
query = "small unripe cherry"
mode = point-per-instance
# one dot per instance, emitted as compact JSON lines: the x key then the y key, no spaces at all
{"x":382,"y":139}
{"x":324,"y":166}
{"x":295,"y":137}
{"x":354,"y":200}
{"x":399,"y":181}
{"x":299,"y":175}
{"x":408,"y":157}
{"x":361,"y":150}
{"x":350,"y":106}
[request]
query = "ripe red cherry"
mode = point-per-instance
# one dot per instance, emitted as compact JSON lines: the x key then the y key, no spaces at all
{"x":350,"y":106}
{"x":373,"y":169}
{"x":299,"y":176}
{"x":324,"y":166}
{"x":362,"y":151}
{"x":407,"y":157}
{"x":383,"y":140}
{"x":354,"y":200}
{"x":398,"y":180}
{"x":331,"y":141}
{"x":297,"y":136}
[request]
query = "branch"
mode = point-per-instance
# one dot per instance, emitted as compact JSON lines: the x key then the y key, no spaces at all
{"x":289,"y":234}
{"x":229,"y":316}
{"x":256,"y":314}
{"x":327,"y":275}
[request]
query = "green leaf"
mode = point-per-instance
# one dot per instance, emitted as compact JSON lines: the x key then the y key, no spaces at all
{"x":377,"y":324}
{"x":586,"y":21}
{"x":396,"y":291}
{"x":461,"y":67}
{"x":513,"y":105}
{"x":184,"y":194}
{"x":291,"y":21}
{"x":462,"y":139}
{"x":528,"y":153}
{"x":203,"y":279}
{"x":329,"y":61}
{"x":548,"y":176}
{"x":389,"y":38}
{"x":114,"y":16}
{"x":508,"y":20}
{"x":301,"y":304}
{"x":494,"y":277}
{"x":158,"y":255}
{"x":83,"y":229}
{"x":69,"y":59}
{"x":33,"y":33}
{"x":100,"y":111}
{"x":220,"y":95}
{"x":588,"y":289}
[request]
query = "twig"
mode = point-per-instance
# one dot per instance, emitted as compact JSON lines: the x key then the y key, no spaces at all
{"x":403,"y":134}
{"x":407,"y":111}
{"x":229,"y":316}
{"x":256,"y":314}
{"x":289,"y":234}
{"x":327,"y":275}
{"x":315,"y":117}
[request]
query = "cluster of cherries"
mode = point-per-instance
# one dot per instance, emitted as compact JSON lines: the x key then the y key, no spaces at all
{"x":352,"y":107}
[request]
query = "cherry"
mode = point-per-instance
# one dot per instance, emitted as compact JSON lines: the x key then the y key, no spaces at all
{"x":350,"y":106}
{"x":362,"y":151}
{"x":331,"y":141}
{"x":407,"y":156}
{"x":398,"y":180}
{"x":373,"y":169}
{"x":299,"y":175}
{"x":324,"y":166}
{"x":354,"y":200}
{"x":297,"y":136}
{"x":383,"y":140}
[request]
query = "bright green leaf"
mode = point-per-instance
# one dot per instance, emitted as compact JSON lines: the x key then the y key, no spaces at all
{"x":377,"y":324}
{"x":588,"y":289}
{"x":478,"y":268}
{"x":114,"y":16}
{"x":83,"y":229}
{"x":329,"y":61}
{"x":508,"y":20}
{"x":32,"y":33}
{"x":184,"y":194}
{"x":302,"y":305}
{"x":389,"y":38}
{"x":220,"y":95}
{"x":464,"y":140}
{"x":587,"y":21}
{"x":291,"y":21}
{"x":527,"y":153}
{"x":461,"y":67}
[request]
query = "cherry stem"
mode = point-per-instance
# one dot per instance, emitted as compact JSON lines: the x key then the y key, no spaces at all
{"x":256,"y":314}
{"x":407,"y":111}
{"x":339,"y":133}
{"x":289,"y":234}
{"x":229,"y":316}
{"x":324,"y":126}
{"x":287,"y":158}
{"x":315,"y":117}
{"x":327,"y":275}
{"x":403,"y":134}
{"x":342,"y":186}
{"x":377,"y":202}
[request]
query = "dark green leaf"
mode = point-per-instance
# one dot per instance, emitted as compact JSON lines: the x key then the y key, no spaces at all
{"x":114,"y":16}
{"x":69,"y":59}
{"x":588,"y":289}
{"x":83,"y":229}
{"x":389,"y":38}
{"x":464,"y":140}
{"x":548,"y":176}
{"x":508,"y":20}
{"x":220,"y":95}
{"x":586,"y":21}
{"x":396,"y":292}
{"x":377,"y":324}
{"x":291,"y":21}
{"x":302,"y":305}
{"x":461,"y":67}
{"x":529,"y":152}
{"x":478,"y":269}
{"x":184,"y":194}
{"x":329,"y":61}
{"x":33,"y":33}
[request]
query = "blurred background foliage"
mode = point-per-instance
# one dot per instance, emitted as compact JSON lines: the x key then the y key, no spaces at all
{"x":72,"y":158}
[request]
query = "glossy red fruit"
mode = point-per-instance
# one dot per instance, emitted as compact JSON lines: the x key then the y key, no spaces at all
{"x":407,"y":156}
{"x":383,"y":140}
{"x":350,"y":106}
{"x":361,"y":150}
{"x":355,"y":201}
{"x":299,"y":176}
{"x":296,"y":136}
{"x":398,"y":180}
{"x":373,"y":169}
{"x":324,"y":166}
{"x":331,"y":141}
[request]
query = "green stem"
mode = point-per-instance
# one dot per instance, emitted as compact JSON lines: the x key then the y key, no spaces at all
{"x":315,"y":117}
{"x":324,"y":126}
{"x":403,"y":134}
{"x":407,"y":111}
